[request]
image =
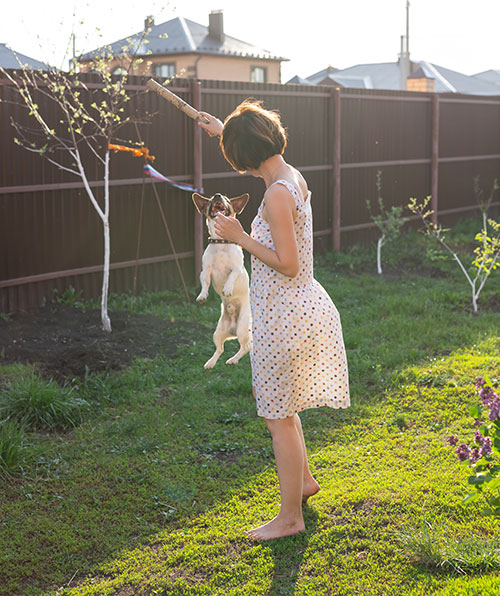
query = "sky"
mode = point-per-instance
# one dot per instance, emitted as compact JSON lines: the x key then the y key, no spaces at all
{"x":457,"y":34}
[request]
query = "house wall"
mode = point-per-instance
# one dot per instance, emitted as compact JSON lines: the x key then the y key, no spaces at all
{"x":226,"y":68}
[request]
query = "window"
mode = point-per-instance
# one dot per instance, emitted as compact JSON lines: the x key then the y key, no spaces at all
{"x":165,"y":71}
{"x":258,"y":74}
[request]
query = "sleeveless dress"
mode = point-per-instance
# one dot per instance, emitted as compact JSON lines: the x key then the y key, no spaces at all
{"x":298,"y":356}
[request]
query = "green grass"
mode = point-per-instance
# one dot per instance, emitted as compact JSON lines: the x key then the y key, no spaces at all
{"x":150,"y":494}
{"x":39,"y":404}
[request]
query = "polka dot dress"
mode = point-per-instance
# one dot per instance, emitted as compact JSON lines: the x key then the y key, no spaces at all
{"x":298,"y":356}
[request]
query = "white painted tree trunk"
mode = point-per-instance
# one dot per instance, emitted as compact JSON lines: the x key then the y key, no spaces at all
{"x":380,"y":243}
{"x":106,"y":322}
{"x":474,"y":300}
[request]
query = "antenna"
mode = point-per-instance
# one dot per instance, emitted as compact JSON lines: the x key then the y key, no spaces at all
{"x":408,"y":30}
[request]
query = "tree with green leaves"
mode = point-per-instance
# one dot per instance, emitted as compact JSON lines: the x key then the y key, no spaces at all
{"x":484,"y":203}
{"x":388,"y":221}
{"x":88,"y":118}
{"x":486,"y":255}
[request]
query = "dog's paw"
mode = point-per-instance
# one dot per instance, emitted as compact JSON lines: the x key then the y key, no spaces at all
{"x":202,"y":297}
{"x":232,"y":361}
{"x":227,"y":291}
{"x":209,"y":364}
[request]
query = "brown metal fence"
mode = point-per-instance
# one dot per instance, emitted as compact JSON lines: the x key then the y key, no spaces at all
{"x":50,"y":235}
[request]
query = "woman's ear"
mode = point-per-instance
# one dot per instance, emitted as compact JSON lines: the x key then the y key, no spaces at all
{"x":201,"y":203}
{"x":239,"y":203}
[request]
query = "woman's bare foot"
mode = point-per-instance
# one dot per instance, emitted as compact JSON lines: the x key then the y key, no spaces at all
{"x":277,"y":528}
{"x":311,"y":487}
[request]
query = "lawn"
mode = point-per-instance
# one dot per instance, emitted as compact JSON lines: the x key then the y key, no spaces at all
{"x":151,"y":492}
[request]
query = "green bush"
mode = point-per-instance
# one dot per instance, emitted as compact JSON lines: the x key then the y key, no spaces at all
{"x":11,"y":448}
{"x":40,"y":404}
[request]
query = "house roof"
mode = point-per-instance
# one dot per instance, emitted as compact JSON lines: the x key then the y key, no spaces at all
{"x":491,"y":76}
{"x":181,"y":36}
{"x":386,"y":75}
{"x":11,"y":59}
{"x":298,"y":81}
{"x":321,"y":75}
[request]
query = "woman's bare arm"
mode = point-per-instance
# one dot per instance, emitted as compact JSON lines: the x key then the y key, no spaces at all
{"x":214,"y":126}
{"x":280,"y":211}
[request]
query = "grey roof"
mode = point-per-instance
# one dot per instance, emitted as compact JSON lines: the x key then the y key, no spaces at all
{"x":181,"y":36}
{"x":354,"y":82}
{"x":456,"y":82}
{"x":321,"y":75}
{"x":490,"y":76}
{"x":368,"y":76}
{"x":386,"y":75}
{"x":11,"y":59}
{"x":298,"y":81}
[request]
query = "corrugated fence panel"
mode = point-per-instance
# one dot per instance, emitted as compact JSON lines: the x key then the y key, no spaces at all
{"x":51,"y":236}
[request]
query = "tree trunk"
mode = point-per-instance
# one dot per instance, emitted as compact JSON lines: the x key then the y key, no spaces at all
{"x":380,"y":243}
{"x":474,"y":299}
{"x":106,"y":322}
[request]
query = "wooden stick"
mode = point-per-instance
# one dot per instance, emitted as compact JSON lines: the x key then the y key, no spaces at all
{"x":176,"y":101}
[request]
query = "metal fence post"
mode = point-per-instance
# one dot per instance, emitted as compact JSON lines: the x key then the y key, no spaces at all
{"x":197,"y":177}
{"x":336,"y":169}
{"x":435,"y":157}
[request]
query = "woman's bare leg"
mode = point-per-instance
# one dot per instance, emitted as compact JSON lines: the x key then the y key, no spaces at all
{"x":311,"y":486}
{"x":289,"y":455}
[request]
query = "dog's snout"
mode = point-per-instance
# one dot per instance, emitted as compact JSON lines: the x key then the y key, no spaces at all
{"x":219,"y":204}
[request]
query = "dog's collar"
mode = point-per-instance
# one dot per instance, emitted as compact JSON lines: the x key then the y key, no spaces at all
{"x":219,"y":241}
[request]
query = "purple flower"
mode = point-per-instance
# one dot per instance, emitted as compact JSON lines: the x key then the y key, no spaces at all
{"x":478,"y":437}
{"x":486,"y":394}
{"x":463,"y":452}
{"x":474,"y":455}
{"x":494,"y":409}
{"x":479,"y":382}
{"x":478,"y":422}
{"x":486,"y":448}
{"x":452,"y":440}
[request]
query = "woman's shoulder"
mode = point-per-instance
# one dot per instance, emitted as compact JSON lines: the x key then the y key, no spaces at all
{"x":293,"y":181}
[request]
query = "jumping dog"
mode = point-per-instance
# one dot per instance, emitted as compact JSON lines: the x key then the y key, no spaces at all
{"x":222,"y":265}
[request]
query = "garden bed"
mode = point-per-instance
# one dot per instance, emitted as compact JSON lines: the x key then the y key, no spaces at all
{"x":68,"y":342}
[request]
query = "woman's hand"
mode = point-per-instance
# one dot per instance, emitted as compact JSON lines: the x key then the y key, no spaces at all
{"x":214,"y":126}
{"x":229,"y":228}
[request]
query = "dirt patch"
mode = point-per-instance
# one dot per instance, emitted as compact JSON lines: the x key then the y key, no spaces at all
{"x":66,"y":341}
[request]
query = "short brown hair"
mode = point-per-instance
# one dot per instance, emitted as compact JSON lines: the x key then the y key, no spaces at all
{"x":252,"y":134}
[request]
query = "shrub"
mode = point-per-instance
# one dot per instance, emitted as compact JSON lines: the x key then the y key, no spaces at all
{"x":40,"y":404}
{"x":483,"y":456}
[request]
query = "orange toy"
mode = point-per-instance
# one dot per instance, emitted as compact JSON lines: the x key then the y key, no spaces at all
{"x":137,"y":151}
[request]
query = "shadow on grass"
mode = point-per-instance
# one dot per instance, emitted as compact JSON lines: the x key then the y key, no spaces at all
{"x":287,"y":555}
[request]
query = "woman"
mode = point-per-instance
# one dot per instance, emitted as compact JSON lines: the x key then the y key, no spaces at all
{"x":298,"y":357}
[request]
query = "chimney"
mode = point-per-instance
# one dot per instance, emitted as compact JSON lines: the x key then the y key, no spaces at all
{"x":419,"y":81}
{"x":149,"y":22}
{"x":216,"y":25}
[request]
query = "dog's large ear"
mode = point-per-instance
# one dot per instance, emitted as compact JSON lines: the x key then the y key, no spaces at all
{"x":200,"y":202}
{"x":239,"y":203}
